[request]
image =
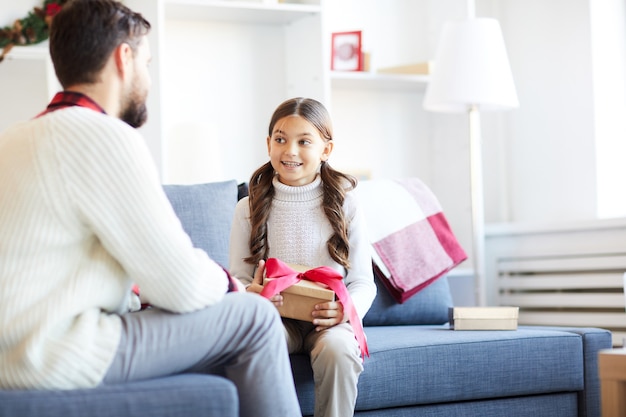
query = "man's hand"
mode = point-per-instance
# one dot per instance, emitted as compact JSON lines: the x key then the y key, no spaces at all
{"x":257,"y":284}
{"x":328,"y":314}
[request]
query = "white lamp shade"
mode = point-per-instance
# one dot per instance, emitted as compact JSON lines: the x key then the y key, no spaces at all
{"x":471,"y":68}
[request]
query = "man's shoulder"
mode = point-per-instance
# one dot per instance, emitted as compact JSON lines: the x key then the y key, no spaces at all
{"x":15,"y":128}
{"x":79,"y":114}
{"x":87,"y":125}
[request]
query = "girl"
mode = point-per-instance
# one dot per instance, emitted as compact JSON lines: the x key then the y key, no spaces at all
{"x":301,"y":211}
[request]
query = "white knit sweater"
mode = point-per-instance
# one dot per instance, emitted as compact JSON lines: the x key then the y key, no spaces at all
{"x":82,"y":216}
{"x":297,"y":233}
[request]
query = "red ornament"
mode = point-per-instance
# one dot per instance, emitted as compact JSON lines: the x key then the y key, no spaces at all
{"x":52,"y":9}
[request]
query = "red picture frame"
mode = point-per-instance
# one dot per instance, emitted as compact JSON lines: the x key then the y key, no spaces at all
{"x":346,"y":51}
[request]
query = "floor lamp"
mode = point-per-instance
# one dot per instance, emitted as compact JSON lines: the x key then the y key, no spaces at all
{"x":472,"y":74}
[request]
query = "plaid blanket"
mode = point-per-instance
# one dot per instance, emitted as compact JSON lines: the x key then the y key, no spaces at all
{"x":412,"y":242}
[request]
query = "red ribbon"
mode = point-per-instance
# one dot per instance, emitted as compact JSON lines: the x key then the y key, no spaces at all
{"x":285,"y":277}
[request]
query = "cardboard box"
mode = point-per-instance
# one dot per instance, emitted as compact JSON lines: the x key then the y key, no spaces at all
{"x":612,"y":370}
{"x":422,"y":68}
{"x":483,"y":318}
{"x":300,"y":299}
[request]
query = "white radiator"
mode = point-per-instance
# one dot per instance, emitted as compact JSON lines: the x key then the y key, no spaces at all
{"x":562,"y":277}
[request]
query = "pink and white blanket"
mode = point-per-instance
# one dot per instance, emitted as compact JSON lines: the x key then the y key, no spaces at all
{"x":412,"y":242}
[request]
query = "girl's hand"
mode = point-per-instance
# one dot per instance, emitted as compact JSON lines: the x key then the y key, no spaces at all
{"x":257,"y":284}
{"x":257,"y":281}
{"x":328,"y":315}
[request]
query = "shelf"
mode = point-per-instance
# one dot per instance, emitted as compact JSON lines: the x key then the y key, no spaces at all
{"x":239,"y":11}
{"x":365,"y":80}
{"x":37,"y":51}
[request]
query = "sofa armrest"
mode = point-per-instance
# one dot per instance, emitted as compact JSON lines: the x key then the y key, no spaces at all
{"x":182,"y":395}
{"x":594,"y":340}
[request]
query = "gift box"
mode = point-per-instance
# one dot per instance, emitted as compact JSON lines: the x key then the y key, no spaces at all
{"x":300,"y":299}
{"x":301,"y":290}
{"x":483,"y":318}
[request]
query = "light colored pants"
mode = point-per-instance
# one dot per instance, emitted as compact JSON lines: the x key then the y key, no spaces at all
{"x":240,"y":338}
{"x":336,"y":363}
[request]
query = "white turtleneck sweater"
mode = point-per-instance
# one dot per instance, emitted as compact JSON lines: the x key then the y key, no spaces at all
{"x":297,"y":234}
{"x":82,"y":216}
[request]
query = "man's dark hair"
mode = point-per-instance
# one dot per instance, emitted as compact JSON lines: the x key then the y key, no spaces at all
{"x":84,"y":34}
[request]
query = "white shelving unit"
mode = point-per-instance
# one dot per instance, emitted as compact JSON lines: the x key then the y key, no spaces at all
{"x":217,"y":101}
{"x":27,"y":77}
{"x":239,"y":11}
{"x":37,"y":51}
{"x":360,"y":80}
{"x":378,"y":117}
{"x":213,"y":97}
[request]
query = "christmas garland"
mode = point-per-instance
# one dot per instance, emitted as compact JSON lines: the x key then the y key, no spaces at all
{"x":30,"y":30}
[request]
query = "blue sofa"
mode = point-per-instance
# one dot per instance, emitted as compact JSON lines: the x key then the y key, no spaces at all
{"x":417,"y":366}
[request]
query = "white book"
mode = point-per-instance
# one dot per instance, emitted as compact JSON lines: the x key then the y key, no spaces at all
{"x":483,"y":318}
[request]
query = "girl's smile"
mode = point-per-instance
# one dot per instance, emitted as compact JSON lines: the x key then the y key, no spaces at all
{"x":291,"y":164}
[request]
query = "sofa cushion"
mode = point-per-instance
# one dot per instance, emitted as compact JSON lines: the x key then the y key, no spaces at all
{"x":206,"y":213}
{"x":421,"y":365}
{"x":429,"y":306}
{"x":549,"y":405}
{"x":182,"y":395}
{"x":415,"y":365}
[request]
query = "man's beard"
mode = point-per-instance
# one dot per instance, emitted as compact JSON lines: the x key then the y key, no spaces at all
{"x":135,"y":113}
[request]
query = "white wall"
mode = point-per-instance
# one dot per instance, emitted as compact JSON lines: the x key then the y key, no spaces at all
{"x":608,"y":40}
{"x":550,"y":143}
{"x":563,"y":150}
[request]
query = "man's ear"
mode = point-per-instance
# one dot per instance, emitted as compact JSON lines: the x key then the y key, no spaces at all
{"x":124,"y":59}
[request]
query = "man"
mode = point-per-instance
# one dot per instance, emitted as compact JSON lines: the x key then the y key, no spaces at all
{"x":83,"y":216}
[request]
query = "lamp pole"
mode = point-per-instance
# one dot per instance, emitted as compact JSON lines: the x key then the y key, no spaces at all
{"x":478,"y":211}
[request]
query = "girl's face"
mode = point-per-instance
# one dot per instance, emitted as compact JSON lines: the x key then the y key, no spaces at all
{"x":296,"y":149}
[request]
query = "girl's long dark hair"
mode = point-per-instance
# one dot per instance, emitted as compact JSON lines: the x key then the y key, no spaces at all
{"x":335,"y":184}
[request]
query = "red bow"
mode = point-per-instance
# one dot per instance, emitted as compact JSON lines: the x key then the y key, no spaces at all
{"x":286,"y":277}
